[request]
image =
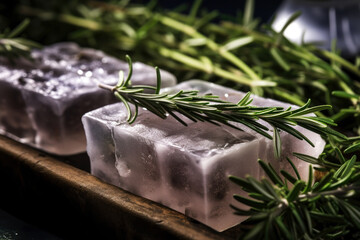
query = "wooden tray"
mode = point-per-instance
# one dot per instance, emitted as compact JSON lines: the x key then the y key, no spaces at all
{"x":59,"y":195}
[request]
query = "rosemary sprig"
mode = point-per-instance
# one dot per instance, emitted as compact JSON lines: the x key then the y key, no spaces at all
{"x":212,"y":109}
{"x":12,"y":46}
{"x":327,"y":209}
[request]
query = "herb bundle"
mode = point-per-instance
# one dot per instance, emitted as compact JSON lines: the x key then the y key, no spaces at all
{"x":241,"y":54}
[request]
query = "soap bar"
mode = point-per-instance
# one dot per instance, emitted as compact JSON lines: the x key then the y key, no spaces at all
{"x":184,"y":168}
{"x":42,"y":100}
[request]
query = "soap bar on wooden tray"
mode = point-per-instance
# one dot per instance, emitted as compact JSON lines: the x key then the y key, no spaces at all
{"x":186,"y":168}
{"x":42,"y":100}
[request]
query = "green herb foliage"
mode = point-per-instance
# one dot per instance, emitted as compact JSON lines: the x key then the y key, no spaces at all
{"x":12,"y":46}
{"x":239,"y":53}
{"x":327,"y":209}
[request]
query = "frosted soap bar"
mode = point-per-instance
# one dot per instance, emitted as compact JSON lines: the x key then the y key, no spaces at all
{"x":184,"y":168}
{"x":42,"y":101}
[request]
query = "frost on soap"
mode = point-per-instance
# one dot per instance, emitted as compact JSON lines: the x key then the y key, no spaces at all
{"x":42,"y":101}
{"x":184,"y":168}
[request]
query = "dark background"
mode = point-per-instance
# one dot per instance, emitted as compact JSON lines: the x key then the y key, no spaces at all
{"x":227,"y":9}
{"x":264,"y":9}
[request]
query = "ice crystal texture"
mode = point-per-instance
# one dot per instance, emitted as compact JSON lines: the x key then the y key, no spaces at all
{"x":185,"y":168}
{"x":42,"y":101}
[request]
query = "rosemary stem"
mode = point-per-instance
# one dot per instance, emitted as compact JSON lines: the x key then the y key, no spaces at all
{"x":66,"y":18}
{"x":344,"y":113}
{"x":347,"y":89}
{"x":81,"y":22}
{"x":339,"y":191}
{"x":342,"y":61}
{"x":303,"y":55}
{"x":232,"y":58}
{"x":106,"y":87}
{"x":180,"y":57}
{"x":292,"y":98}
{"x":256,"y":35}
{"x":211,"y":44}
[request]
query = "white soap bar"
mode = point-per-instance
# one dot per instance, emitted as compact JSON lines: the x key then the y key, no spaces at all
{"x":184,"y":168}
{"x":42,"y":101}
